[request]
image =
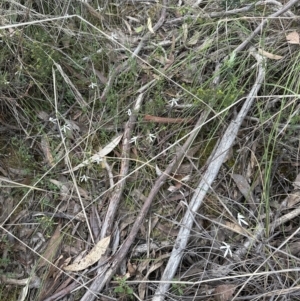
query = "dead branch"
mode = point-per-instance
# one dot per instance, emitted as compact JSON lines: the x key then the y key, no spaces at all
{"x":158,"y":119}
{"x":119,"y":187}
{"x":214,"y":163}
{"x":110,"y":268}
{"x":65,"y":291}
{"x":263,"y":23}
{"x":282,"y":9}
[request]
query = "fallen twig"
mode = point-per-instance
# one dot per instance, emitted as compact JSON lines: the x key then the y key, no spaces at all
{"x":119,"y":187}
{"x":214,"y":163}
{"x":65,"y":291}
{"x":232,"y":12}
{"x":166,"y":119}
{"x":263,"y":23}
{"x":212,"y":15}
{"x":110,"y":268}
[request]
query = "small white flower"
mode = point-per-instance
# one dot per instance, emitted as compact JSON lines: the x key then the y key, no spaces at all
{"x":53,"y":120}
{"x":93,"y":85}
{"x":134,"y":139}
{"x":227,"y":249}
{"x":66,"y":127}
{"x":129,"y":112}
{"x":173,"y":102}
{"x":114,"y":36}
{"x":151,"y":137}
{"x":84,"y":178}
{"x":241,"y":220}
{"x":98,"y":160}
{"x":99,"y":9}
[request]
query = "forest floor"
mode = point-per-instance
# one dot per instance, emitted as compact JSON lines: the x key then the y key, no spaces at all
{"x":149,"y":150}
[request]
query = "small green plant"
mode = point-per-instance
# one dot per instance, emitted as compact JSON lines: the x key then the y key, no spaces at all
{"x":45,"y":203}
{"x":177,"y":288}
{"x":123,"y":289}
{"x":23,"y":150}
{"x":46,"y":224}
{"x":4,"y":262}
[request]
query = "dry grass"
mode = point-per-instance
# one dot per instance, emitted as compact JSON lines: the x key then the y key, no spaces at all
{"x":74,"y":76}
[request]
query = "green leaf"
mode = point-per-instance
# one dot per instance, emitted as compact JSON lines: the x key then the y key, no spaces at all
{"x":139,"y":29}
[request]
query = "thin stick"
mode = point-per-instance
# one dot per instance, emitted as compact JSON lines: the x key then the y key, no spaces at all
{"x":214,"y":163}
{"x":119,"y":187}
{"x":263,"y":23}
{"x":109,"y":269}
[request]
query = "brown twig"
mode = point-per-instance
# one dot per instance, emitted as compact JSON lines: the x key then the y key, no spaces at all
{"x":110,"y":268}
{"x":119,"y":187}
{"x":158,"y":119}
{"x":63,"y":292}
{"x":263,"y":23}
{"x":223,"y":14}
